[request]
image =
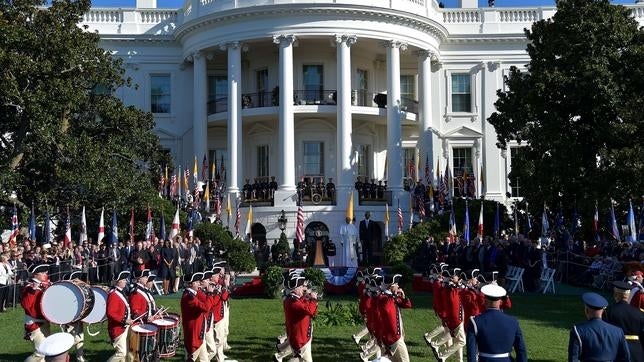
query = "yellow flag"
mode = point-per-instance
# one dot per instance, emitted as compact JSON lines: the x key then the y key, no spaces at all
{"x":386,"y":213}
{"x":229,"y":209}
{"x":249,"y":221}
{"x":195,"y":171}
{"x":350,"y":207}
{"x":206,"y":197}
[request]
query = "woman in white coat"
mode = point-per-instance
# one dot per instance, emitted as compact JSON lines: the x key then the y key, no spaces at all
{"x":6,"y":275}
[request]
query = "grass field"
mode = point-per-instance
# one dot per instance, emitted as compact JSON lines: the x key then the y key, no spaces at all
{"x":545,"y":321}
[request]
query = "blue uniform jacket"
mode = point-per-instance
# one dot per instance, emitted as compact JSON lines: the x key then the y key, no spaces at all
{"x":494,"y":333}
{"x":596,"y":340}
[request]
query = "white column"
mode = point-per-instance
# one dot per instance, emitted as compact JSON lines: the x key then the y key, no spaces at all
{"x":199,"y":106}
{"x":234,"y":116}
{"x":344,"y":125}
{"x":394,"y":132}
{"x":491,"y":157}
{"x":425,"y":126}
{"x":286,"y":176}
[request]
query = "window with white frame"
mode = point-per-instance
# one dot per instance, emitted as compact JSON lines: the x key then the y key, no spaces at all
{"x":461,"y":92}
{"x":462,"y":172}
{"x":262,"y":161}
{"x":363,"y":161}
{"x":407,"y":91}
{"x":160,"y":93}
{"x":362,"y":84}
{"x":313,"y":83}
{"x":313,"y":158}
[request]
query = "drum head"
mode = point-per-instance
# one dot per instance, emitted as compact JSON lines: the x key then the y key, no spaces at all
{"x":97,"y":314}
{"x":62,"y":303}
{"x":144,"y":329}
{"x":165,"y":322}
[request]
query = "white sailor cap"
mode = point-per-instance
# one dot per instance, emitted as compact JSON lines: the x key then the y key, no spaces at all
{"x":56,"y":345}
{"x":493,"y":292}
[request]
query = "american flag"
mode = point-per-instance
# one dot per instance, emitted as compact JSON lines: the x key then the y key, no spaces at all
{"x":14,"y":227}
{"x":400,"y":219}
{"x":428,"y":172}
{"x":186,"y":177}
{"x":218,"y":205}
{"x":68,"y":230}
{"x":161,"y":182}
{"x":223,"y":169}
{"x":452,"y":226}
{"x":149,"y":229}
{"x":237,"y":220}
{"x":204,"y":168}
{"x":173,"y":186}
{"x":299,"y":231}
{"x":196,"y":201}
{"x":412,"y":171}
{"x":421,"y":207}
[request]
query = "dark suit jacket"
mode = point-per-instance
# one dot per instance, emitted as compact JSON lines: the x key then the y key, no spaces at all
{"x":367,"y":233}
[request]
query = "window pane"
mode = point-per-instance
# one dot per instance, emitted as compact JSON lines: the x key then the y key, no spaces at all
{"x":262,"y":88}
{"x":461,"y":93}
{"x":313,"y":83}
{"x":313,"y":158}
{"x":262,"y":161}
{"x":464,"y":179}
{"x":363,"y":97}
{"x":364,"y":162}
{"x":407,"y":96}
{"x":160,"y":94}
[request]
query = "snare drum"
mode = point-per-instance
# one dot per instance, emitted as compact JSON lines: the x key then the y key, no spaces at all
{"x":142,"y":342}
{"x":98,"y":312}
{"x":67,"y":301}
{"x":168,"y":335}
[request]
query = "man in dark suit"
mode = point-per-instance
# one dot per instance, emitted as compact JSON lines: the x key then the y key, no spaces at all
{"x":367,"y":236}
{"x":628,"y":318}
{"x":595,"y":338}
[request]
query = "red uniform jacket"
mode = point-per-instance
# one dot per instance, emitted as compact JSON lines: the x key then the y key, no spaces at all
{"x":118,"y":311}
{"x":142,"y":302}
{"x":363,"y":300}
{"x":30,"y":299}
{"x":219,"y":306}
{"x":298,"y":313}
{"x":371,"y":314}
{"x":390,"y":321}
{"x":437,"y":300}
{"x":194,"y":311}
{"x":453,"y":307}
{"x":638,"y":300}
{"x":470,"y":299}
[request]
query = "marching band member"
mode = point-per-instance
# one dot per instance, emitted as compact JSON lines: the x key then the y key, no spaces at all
{"x":226,"y":319}
{"x":392,"y":334}
{"x":76,"y":329}
{"x":195,"y":305}
{"x":119,"y":317}
{"x":453,"y":321}
{"x":299,"y":308}
{"x":283,"y":346}
{"x":361,"y":286}
{"x":36,"y":327}
{"x":439,"y":292}
{"x":141,"y":300}
{"x":215,"y":333}
{"x":372,"y":317}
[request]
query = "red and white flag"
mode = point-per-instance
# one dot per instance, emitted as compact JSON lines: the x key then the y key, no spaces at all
{"x":173,"y":186}
{"x":299,"y":231}
{"x":400,"y":219}
{"x":149,"y":228}
{"x":237,"y":221}
{"x":15,"y":229}
{"x":68,"y":231}
{"x":479,"y":232}
{"x":83,"y":227}
{"x":101,"y":228}
{"x":174,"y":231}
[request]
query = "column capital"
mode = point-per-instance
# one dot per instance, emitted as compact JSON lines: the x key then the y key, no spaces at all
{"x":395,"y":44}
{"x":288,"y":38}
{"x":426,"y":54}
{"x":344,"y":38}
{"x":229,"y":45}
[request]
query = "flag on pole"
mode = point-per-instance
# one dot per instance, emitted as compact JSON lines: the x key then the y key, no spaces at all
{"x":223,"y":169}
{"x":83,"y":227}
{"x":196,"y":201}
{"x":217,"y":205}
{"x":464,"y":192}
{"x":32,"y":223}
{"x":15,"y":228}
{"x":466,"y":223}
{"x":204,"y":168}
{"x":630,"y":220}
{"x":448,"y":182}
{"x":411,"y":212}
{"x":131,"y":233}
{"x":68,"y":230}
{"x":161,"y":182}
{"x":166,"y":180}
{"x":173,"y":185}
{"x":186,"y":184}
{"x":613,"y":222}
{"x":421,"y":207}
{"x":299,"y":230}
{"x":428,"y":172}
{"x":47,"y":228}
{"x":350,"y":207}
{"x":195,"y":172}
{"x":213,"y":169}
{"x":101,"y":227}
{"x":400,"y":219}
{"x":545,"y":225}
{"x":497,"y":221}
{"x":237,"y":219}
{"x":229,"y":209}
{"x":528,"y":221}
{"x":596,"y":223}
{"x":249,"y":221}
{"x":430,"y":191}
{"x":206,"y":198}
{"x":482,"y":179}
{"x":387,"y":221}
{"x":174,"y":229}
{"x":162,"y":234}
{"x":114,"y":237}
{"x":452,"y":226}
{"x":479,"y":230}
{"x":149,"y":229}
{"x":179,"y":177}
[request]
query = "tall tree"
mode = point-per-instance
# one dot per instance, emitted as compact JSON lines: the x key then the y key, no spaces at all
{"x":577,"y":107}
{"x":64,"y":137}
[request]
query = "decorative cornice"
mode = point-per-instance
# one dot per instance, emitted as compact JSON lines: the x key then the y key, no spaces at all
{"x":395,"y":44}
{"x":229,"y":45}
{"x":348,"y":39}
{"x":285,"y":38}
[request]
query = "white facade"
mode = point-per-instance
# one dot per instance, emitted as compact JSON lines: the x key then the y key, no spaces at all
{"x":235,"y":52}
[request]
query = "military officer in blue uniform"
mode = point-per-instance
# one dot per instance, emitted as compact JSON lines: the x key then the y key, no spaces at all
{"x":628,"y":318}
{"x":492,"y":334}
{"x":596,"y":340}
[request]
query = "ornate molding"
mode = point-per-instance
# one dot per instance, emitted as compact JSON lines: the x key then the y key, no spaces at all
{"x":229,"y":45}
{"x":448,"y":118}
{"x":395,"y":44}
{"x":493,"y":65}
{"x":285,"y":38}
{"x":425,"y":54}
{"x":348,"y":39}
{"x":474,"y":118}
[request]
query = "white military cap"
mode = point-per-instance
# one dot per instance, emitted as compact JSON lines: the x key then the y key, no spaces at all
{"x":493,"y":292}
{"x":56,"y":345}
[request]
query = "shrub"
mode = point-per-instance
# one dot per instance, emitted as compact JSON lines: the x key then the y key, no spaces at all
{"x":315,"y":277}
{"x":406,"y":272}
{"x":273,"y":279}
{"x":404,"y":247}
{"x":338,"y":314}
{"x":236,"y":252}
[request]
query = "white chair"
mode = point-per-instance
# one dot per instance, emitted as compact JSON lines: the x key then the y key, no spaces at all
{"x":515,"y":280}
{"x":158,"y":286}
{"x":547,"y":280}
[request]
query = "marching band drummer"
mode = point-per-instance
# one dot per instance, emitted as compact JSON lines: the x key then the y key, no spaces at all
{"x":36,"y":327}
{"x":141,"y":300}
{"x":195,"y":305}
{"x":76,"y":328}
{"x":118,"y":317}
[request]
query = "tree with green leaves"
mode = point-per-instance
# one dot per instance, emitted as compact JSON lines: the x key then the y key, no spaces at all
{"x":577,"y":108}
{"x":64,"y":136}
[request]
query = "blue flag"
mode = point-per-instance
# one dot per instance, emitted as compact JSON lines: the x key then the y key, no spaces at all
{"x":630,"y":220}
{"x":528,"y":221}
{"x":162,"y":227}
{"x":114,"y":235}
{"x":189,"y":222}
{"x":466,"y":224}
{"x":613,"y":223}
{"x":641,"y":223}
{"x":497,"y":221}
{"x":32,"y":224}
{"x":47,"y":228}
{"x":545,"y":224}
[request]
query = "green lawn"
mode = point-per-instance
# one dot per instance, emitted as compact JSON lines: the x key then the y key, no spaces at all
{"x":545,"y":321}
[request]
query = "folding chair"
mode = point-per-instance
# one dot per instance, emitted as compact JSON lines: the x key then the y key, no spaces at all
{"x":158,"y":286}
{"x":515,"y":279}
{"x":547,"y":280}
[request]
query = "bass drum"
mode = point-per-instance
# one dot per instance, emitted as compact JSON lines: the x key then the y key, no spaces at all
{"x":67,"y":301}
{"x":98,"y":313}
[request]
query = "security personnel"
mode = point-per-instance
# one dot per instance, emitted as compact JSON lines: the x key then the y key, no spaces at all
{"x":118,"y":317}
{"x":628,"y":318}
{"x":195,"y":305}
{"x":492,"y":334}
{"x":36,"y":327}
{"x":596,"y":340}
{"x":141,"y":300}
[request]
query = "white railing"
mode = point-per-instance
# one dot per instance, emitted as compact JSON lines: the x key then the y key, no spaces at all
{"x":103,"y":16}
{"x":157,"y":16}
{"x":518,"y":15}
{"x":461,"y":16}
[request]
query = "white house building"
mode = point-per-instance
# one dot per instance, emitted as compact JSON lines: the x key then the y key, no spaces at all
{"x":286,"y":88}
